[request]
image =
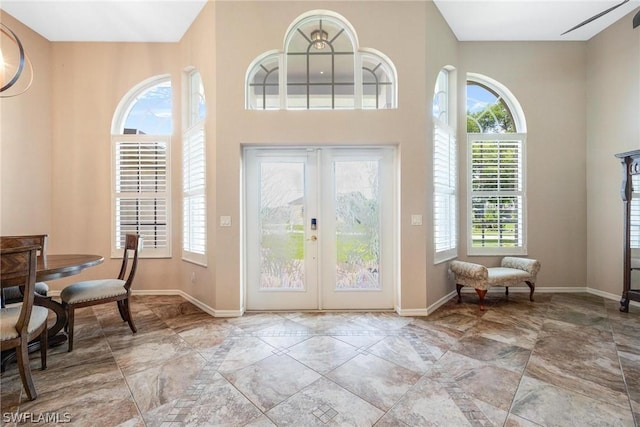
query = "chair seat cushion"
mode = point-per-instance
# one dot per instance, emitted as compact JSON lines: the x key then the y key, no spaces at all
{"x":9,"y":317}
{"x":12,"y":294}
{"x":91,"y":290}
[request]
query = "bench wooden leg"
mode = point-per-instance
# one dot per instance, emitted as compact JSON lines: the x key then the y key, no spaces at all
{"x":458,"y":287}
{"x":531,"y":286}
{"x":481,"y":293}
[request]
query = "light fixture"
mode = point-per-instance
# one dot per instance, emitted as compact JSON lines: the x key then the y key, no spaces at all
{"x":319,"y":38}
{"x":13,"y":59}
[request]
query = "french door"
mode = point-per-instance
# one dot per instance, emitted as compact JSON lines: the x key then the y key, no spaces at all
{"x":319,"y":228}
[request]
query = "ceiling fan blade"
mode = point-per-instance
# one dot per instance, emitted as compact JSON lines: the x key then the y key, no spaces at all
{"x":593,"y":18}
{"x":636,"y":20}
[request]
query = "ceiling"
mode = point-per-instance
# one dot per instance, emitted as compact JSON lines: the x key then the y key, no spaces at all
{"x":529,"y":19}
{"x":129,"y":20}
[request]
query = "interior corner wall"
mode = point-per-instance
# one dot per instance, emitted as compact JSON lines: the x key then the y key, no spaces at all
{"x":549,"y":81}
{"x":26,"y":143}
{"x":195,"y":50}
{"x":441,"y":51}
{"x":613,"y":126}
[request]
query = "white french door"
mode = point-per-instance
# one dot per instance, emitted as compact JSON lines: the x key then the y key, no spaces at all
{"x":319,"y":228}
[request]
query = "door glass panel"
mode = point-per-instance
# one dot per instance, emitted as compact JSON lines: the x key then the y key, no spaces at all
{"x":357,"y":213}
{"x":282,"y":225}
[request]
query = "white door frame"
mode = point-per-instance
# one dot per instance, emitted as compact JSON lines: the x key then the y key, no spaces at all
{"x":389,"y":236}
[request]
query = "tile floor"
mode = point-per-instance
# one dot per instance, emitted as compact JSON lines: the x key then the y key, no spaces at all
{"x":565,"y":360}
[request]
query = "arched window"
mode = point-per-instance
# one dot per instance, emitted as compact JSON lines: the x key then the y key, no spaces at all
{"x":321,"y":67}
{"x":496,"y":130}
{"x":141,"y":134}
{"x":194,"y":202}
{"x":445,"y":165}
{"x":263,"y":83}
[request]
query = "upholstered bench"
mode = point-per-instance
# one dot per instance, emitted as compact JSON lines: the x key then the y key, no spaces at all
{"x":512,"y":272}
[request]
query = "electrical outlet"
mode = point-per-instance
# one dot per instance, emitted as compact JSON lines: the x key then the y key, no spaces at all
{"x":416,"y":219}
{"x":225,"y":221}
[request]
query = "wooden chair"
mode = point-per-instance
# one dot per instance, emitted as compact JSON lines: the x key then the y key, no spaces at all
{"x":94,"y":292}
{"x":12,"y":295}
{"x":22,"y":323}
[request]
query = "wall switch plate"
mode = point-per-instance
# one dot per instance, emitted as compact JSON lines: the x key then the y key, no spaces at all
{"x":225,"y":221}
{"x":416,"y":219}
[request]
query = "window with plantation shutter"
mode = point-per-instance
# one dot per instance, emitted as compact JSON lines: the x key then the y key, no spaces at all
{"x":496,"y":171}
{"x":141,"y":168}
{"x":445,"y":177}
{"x":141,"y":199}
{"x":194,"y":212}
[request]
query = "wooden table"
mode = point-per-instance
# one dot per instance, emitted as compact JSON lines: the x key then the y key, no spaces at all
{"x":53,"y":267}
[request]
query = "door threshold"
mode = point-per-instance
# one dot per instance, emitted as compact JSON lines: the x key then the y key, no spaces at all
{"x":354,"y":310}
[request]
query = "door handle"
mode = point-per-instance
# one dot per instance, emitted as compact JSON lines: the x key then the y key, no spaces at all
{"x":313,"y":238}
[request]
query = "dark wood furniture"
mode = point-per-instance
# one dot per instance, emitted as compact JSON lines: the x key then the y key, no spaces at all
{"x":94,"y":292}
{"x":22,"y":323}
{"x":56,"y":267}
{"x":12,"y":294}
{"x":630,"y":185}
{"x":53,"y":267}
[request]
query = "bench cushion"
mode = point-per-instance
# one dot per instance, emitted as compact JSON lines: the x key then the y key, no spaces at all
{"x":513,"y":271}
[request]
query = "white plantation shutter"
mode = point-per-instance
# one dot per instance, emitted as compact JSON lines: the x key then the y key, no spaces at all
{"x":141,"y":194}
{"x":497,"y":189}
{"x":194,"y":203}
{"x":445,"y":178}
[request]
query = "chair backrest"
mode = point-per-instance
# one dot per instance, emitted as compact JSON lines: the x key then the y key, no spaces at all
{"x":18,"y":268}
{"x":133,"y":242}
{"x":29,"y":240}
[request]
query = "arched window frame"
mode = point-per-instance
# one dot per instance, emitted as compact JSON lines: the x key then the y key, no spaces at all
{"x":445,"y":167}
{"x":504,"y":230}
{"x":264,"y":63}
{"x":359,"y":54}
{"x":151,"y":204}
{"x":194,"y":170}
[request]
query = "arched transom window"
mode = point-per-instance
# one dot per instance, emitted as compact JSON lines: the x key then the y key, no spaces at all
{"x":324,"y":68}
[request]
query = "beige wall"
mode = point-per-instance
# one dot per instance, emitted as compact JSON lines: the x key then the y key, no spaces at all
{"x":89,"y":80}
{"x":548,"y":80}
{"x":570,"y":93}
{"x":26,"y":144}
{"x":613,"y":126}
{"x":252,"y":28}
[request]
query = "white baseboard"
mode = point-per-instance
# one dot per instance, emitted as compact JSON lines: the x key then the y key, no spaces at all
{"x":202,"y":306}
{"x":436,"y":305}
{"x":610,"y":296}
{"x":415,"y":312}
{"x":553,"y":289}
{"x":525,"y":289}
{"x":411,"y":311}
